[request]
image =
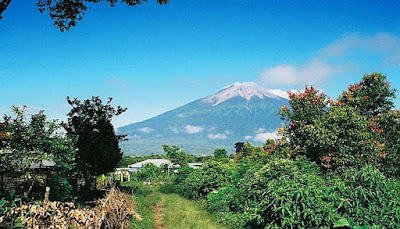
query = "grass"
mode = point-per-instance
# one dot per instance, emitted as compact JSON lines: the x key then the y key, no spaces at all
{"x":181,"y":213}
{"x":146,"y":198}
{"x":174,"y":211}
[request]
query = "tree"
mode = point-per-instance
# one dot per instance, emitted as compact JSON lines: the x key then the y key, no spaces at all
{"x":305,"y":108}
{"x":371,"y":96}
{"x":177,"y":156}
{"x":359,"y":128}
{"x":90,"y":122}
{"x":220,"y":153}
{"x":31,"y":141}
{"x":66,"y":13}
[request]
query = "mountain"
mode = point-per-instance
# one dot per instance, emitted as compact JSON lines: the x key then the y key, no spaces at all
{"x":240,"y":112}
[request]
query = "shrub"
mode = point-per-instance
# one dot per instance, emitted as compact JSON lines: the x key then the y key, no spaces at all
{"x":369,"y":198}
{"x":149,"y":172}
{"x":211,"y":176}
{"x":283,"y":193}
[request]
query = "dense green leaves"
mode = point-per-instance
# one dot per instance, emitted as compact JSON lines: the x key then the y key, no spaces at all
{"x":89,"y":121}
{"x":333,"y":167}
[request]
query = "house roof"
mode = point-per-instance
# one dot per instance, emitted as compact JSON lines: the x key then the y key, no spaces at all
{"x":157,"y":162}
{"x":44,"y":164}
{"x":195,"y":165}
{"x":125,"y":169}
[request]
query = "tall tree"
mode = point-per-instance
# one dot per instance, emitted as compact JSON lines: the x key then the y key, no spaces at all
{"x":220,"y":153}
{"x":371,"y":96}
{"x":97,"y":143}
{"x":66,"y":13}
{"x":177,"y":156}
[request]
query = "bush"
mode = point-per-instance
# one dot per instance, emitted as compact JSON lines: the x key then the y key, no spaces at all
{"x":283,"y":193}
{"x":211,"y":176}
{"x":61,"y":190}
{"x":369,"y":198}
{"x":149,"y":172}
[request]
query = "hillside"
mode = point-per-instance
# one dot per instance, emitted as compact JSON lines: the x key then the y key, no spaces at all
{"x":240,"y":112}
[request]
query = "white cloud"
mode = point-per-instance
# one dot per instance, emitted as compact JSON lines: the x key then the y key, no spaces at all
{"x":175,"y":130}
{"x":260,"y":130}
{"x":193,"y":129}
{"x":338,"y":57}
{"x":248,"y":137}
{"x":217,"y":136}
{"x":146,"y":130}
{"x":314,"y":72}
{"x":262,"y":137}
{"x":282,"y":93}
{"x":384,"y":44}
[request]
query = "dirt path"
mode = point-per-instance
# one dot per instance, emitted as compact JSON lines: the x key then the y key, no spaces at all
{"x":158,"y":214}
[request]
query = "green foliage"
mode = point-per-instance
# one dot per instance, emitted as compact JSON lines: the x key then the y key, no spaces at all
{"x":387,"y":132}
{"x":149,"y":172}
{"x":66,"y":13}
{"x":369,"y":198}
{"x":371,"y":96}
{"x":89,"y":121}
{"x":220,"y":153}
{"x":177,"y":156}
{"x":211,"y":176}
{"x":33,"y":140}
{"x":360,"y":128}
{"x":61,"y":189}
{"x":305,"y":108}
{"x":283,"y":193}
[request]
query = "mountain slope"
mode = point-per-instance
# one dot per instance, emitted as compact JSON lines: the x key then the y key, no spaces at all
{"x":240,"y":112}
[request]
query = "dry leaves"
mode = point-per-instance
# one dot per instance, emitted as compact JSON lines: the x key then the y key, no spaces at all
{"x":114,"y":211}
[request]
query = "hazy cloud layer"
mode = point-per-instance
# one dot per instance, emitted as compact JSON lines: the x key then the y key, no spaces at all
{"x":383,"y":44}
{"x":217,"y":136}
{"x":146,"y":130}
{"x":261,"y":135}
{"x":330,"y":62}
{"x":193,"y":129}
{"x":290,"y":75}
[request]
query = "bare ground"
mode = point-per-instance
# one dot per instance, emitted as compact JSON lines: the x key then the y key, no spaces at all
{"x":158,"y":215}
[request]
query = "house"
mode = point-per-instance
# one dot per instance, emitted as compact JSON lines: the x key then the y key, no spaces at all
{"x":126,"y":172}
{"x":158,"y":162}
{"x":195,"y":165}
{"x":43,"y":165}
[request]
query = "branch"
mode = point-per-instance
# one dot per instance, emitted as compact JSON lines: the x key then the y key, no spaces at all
{"x":3,"y":6}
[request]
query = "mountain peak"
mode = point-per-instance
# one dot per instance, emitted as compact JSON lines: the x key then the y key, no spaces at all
{"x":246,"y":90}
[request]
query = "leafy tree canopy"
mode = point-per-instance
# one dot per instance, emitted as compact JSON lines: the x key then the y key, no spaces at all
{"x":177,"y":156}
{"x":220,"y":153}
{"x":90,"y":122}
{"x":66,"y":13}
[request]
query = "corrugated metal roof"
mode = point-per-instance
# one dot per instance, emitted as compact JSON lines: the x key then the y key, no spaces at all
{"x":44,"y":164}
{"x":157,"y":162}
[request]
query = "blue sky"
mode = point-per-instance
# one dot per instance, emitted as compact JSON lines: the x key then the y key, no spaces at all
{"x":153,"y":58}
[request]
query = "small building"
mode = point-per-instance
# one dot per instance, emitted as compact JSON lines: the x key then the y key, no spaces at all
{"x":158,"y":162}
{"x":124,"y":172}
{"x":195,"y":165}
